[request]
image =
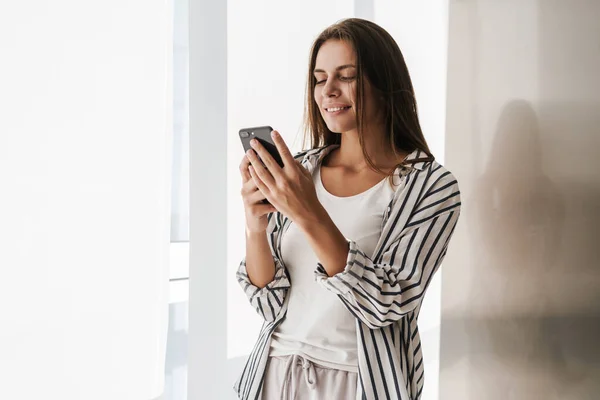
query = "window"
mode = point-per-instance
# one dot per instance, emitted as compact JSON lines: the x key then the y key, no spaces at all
{"x":176,"y":357}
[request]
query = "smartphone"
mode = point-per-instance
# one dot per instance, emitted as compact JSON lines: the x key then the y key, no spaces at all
{"x":263,"y":135}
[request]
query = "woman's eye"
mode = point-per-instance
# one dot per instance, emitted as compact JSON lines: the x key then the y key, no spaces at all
{"x":342,"y":78}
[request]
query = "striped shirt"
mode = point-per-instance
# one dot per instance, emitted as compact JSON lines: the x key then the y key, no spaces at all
{"x":383,"y":292}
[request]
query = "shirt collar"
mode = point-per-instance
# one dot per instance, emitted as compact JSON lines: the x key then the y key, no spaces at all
{"x":416,"y":155}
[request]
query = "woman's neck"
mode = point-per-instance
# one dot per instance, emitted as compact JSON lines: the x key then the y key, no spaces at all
{"x":350,"y":155}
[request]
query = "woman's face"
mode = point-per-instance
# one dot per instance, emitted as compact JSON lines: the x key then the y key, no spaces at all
{"x":335,"y":88}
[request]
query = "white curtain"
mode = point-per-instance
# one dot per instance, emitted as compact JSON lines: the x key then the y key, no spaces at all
{"x":85,"y":157}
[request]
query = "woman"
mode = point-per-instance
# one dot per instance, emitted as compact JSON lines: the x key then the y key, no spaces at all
{"x":338,"y":260}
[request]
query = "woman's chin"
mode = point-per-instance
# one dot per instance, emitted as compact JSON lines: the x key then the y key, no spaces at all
{"x":337,"y":127}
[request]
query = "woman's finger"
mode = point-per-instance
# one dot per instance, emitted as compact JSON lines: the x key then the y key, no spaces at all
{"x":282,"y":148}
{"x":261,"y":154}
{"x":244,"y":169}
{"x":260,"y":171}
{"x":249,"y":186}
{"x":258,"y":210}
{"x":254,"y":197}
{"x":258,"y":180}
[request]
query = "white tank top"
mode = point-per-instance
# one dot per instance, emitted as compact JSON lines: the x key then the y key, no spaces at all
{"x":317,"y":325}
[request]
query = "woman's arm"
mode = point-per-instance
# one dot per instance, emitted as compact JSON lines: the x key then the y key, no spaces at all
{"x":265,"y":296}
{"x":259,"y":260}
{"x":381,"y":291}
{"x":326,"y":240}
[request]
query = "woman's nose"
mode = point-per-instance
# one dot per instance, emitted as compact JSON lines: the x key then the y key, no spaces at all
{"x":330,"y":90}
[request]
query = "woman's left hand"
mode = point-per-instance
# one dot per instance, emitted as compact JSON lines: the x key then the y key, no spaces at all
{"x":289,"y":189}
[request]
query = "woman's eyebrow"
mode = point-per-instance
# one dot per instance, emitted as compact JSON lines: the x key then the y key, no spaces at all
{"x":337,"y":69}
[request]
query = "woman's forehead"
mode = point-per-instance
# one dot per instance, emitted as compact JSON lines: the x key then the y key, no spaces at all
{"x":333,"y":54}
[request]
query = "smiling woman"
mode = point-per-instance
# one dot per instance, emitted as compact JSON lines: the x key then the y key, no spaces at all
{"x":338,"y":110}
{"x":338,"y":266}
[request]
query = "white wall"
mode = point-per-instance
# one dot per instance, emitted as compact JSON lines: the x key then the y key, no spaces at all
{"x":208,"y":198}
{"x":521,"y":285}
{"x":84,"y":205}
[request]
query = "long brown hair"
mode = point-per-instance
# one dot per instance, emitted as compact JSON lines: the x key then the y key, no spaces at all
{"x":379,"y":58}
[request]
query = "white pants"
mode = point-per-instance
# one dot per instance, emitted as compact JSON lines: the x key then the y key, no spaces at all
{"x":296,"y":378}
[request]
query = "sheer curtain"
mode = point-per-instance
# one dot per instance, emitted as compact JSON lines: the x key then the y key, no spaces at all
{"x":85,"y":157}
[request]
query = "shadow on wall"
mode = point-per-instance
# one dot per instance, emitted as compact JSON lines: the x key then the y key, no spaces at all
{"x":533,"y":328}
{"x":518,"y":219}
{"x":521,"y":286}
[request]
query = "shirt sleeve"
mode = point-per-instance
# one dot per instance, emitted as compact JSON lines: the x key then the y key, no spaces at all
{"x":380,"y":293}
{"x":268,"y":301}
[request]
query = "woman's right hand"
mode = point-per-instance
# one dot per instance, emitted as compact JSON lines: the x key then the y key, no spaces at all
{"x":256,"y":211}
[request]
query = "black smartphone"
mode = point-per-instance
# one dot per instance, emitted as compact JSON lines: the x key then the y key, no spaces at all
{"x":263,"y":135}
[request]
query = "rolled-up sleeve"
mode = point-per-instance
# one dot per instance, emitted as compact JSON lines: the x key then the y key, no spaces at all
{"x":380,"y":293}
{"x":267,"y":301}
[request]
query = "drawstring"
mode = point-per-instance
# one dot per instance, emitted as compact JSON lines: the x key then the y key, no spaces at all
{"x":308,"y":370}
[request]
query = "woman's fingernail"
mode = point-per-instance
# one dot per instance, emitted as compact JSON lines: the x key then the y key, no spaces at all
{"x":274,"y":134}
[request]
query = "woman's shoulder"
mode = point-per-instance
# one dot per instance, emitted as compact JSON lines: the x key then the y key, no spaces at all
{"x":425,"y":170}
{"x":434,"y":184}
